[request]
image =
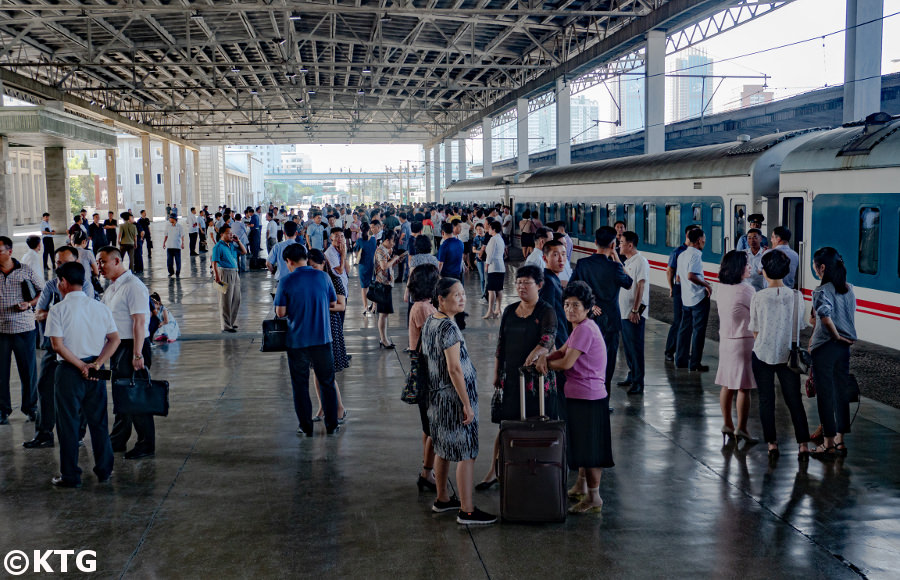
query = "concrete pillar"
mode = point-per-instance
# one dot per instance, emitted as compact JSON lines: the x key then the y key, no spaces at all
{"x":195,"y":184}
{"x":461,"y":146}
{"x":487,"y":151}
{"x":7,"y":196}
{"x":862,"y":59}
{"x":148,"y":175}
{"x":448,"y":162}
{"x":112,"y":184}
{"x":57,"y":188}
{"x":563,"y":123}
{"x":655,"y":93}
{"x":183,"y":176}
{"x":522,"y":133}
{"x":429,"y":187}
{"x":167,"y":175}
{"x":437,"y":173}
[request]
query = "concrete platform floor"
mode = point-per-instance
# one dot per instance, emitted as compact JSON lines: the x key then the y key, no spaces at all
{"x":234,"y":493}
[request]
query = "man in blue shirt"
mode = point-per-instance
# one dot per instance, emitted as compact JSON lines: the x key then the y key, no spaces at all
{"x":755,"y":220}
{"x":315,"y":239}
{"x":305,"y":297}
{"x":275,"y":262}
{"x":450,"y":254}
{"x":255,"y":231}
{"x":781,"y":241}
{"x":675,"y":293}
{"x":225,"y":272}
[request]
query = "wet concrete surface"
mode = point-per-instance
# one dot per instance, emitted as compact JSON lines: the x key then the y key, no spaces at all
{"x":234,"y":493}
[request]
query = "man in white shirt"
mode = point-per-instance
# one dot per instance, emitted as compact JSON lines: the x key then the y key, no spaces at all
{"x":129,"y":301}
{"x":32,"y":257}
{"x":781,"y":241}
{"x":336,"y":254}
{"x":536,"y":258}
{"x":271,"y":232}
{"x":695,"y":301}
{"x":174,"y":244}
{"x":194,"y":224}
{"x":633,"y":305}
{"x":754,"y":258}
{"x":47,"y":232}
{"x":84,"y":336}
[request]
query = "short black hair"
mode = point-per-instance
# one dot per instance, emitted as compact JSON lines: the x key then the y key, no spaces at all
{"x":125,"y":215}
{"x":224,"y":229}
{"x":691,"y":227}
{"x":422,"y":282}
{"x":548,"y":247}
{"x":112,"y":250}
{"x":731,"y":270}
{"x":45,"y":214}
{"x":630,"y":237}
{"x":336,"y":231}
{"x":580,"y":291}
{"x":315,"y":256}
{"x":530,"y":271}
{"x":754,"y":231}
{"x":446,"y":228}
{"x":617,"y":222}
{"x":71,"y":251}
{"x":783,"y":233}
{"x":294,"y":253}
{"x":71,"y":272}
{"x":6,"y":242}
{"x":422,"y":245}
{"x":695,"y":234}
{"x":604,"y":236}
{"x":387,"y":236}
{"x":33,"y":242}
{"x":496,"y":226}
{"x":416,"y":227}
{"x":290,"y":228}
{"x":541,"y":233}
{"x":776,"y":264}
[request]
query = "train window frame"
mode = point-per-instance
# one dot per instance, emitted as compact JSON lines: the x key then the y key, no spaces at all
{"x":697,"y":212}
{"x":673,"y":234}
{"x":865,"y":256}
{"x":581,"y":221}
{"x":717,"y":229}
{"x":740,"y":222}
{"x":599,"y":219}
{"x":629,"y":213}
{"x":611,"y":216}
{"x":649,"y":224}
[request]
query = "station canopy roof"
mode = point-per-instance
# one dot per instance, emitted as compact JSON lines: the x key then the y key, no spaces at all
{"x":291,"y":71}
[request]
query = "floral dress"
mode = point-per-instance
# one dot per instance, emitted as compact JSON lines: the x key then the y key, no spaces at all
{"x":338,"y":348}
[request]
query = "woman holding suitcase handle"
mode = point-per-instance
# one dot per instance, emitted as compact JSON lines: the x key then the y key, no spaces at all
{"x":583,"y":358}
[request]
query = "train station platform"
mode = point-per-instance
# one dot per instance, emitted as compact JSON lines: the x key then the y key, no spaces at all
{"x":233,"y":492}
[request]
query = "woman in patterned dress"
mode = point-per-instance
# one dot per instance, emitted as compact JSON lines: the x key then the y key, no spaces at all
{"x":339,"y":351}
{"x":452,"y":404}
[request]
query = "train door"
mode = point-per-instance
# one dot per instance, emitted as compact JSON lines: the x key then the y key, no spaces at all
{"x":793,"y":217}
{"x":739,"y":224}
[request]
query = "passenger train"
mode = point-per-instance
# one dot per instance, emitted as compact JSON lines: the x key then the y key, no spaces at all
{"x":837,"y":187}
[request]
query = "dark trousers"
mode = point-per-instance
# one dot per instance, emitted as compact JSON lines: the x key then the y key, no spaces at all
{"x":139,"y":256}
{"x":20,"y":345}
{"x":192,"y":242}
{"x":633,"y":341}
{"x":790,"y":390}
{"x":561,"y":396}
{"x":254,"y":243}
{"x":322,"y":360}
{"x":672,"y":338}
{"x":692,"y":334}
{"x":173,"y":261}
{"x":143,"y":424}
{"x":77,"y":396}
{"x":128,"y":249}
{"x":611,"y":338}
{"x":831,"y":362}
{"x":48,"y":253}
{"x":271,"y":242}
{"x":46,"y":417}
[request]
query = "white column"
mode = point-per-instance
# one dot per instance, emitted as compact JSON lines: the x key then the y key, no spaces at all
{"x":182,"y":173}
{"x":862,"y":59}
{"x":522,"y":133}
{"x":461,"y":146}
{"x":112,"y":184}
{"x":148,"y":175}
{"x":487,"y":150}
{"x":563,"y":123}
{"x":429,"y":188}
{"x":195,"y":182}
{"x":436,"y":164}
{"x":448,"y":162}
{"x":655,"y":93}
{"x":7,"y":195}
{"x":167,"y":177}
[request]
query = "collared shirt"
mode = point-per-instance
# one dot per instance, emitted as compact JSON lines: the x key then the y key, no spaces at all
{"x":239,"y":229}
{"x":673,"y":260}
{"x":46,"y":229}
{"x":49,"y":296}
{"x":605,"y":276}
{"x":795,"y":262}
{"x":405,"y":232}
{"x":174,"y":236}
{"x":315,"y":231}
{"x":82,"y":323}
{"x":756,"y":278}
{"x":493,"y":255}
{"x":125,"y":297}
{"x":744,"y":245}
{"x":87,"y":260}
{"x":638,"y":268}
{"x":552,"y":293}
{"x":225,"y":255}
{"x":570,"y":246}
{"x":272,"y":230}
{"x":195,"y":223}
{"x":276,"y":257}
{"x":691,"y":261}
{"x":128,"y":233}
{"x":507,"y":224}
{"x":13,"y":320}
{"x":34,"y":260}
{"x":307,"y":294}
{"x":334,"y":258}
{"x":536,"y":258}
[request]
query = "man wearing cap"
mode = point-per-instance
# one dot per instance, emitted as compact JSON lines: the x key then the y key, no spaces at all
{"x":755,"y":220}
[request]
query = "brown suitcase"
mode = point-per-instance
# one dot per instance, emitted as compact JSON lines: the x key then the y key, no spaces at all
{"x":532,"y":465}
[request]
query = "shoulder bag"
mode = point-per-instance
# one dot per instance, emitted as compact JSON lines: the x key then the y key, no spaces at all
{"x":29,"y":290}
{"x":140,"y":395}
{"x":275,"y":332}
{"x":378,"y":293}
{"x":416,"y":387}
{"x":800,"y":359}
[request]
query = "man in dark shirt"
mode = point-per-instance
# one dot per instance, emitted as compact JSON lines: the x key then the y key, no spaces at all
{"x":450,"y":254}
{"x":604,"y":273}
{"x":98,"y":234}
{"x":675,"y":293}
{"x":112,"y":229}
{"x":552,"y":293}
{"x":145,"y":227}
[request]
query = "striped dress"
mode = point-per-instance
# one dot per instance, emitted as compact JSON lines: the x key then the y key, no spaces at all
{"x":453,"y":441}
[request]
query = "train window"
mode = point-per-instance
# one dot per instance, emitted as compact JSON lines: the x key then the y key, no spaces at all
{"x":598,"y":220}
{"x":673,"y":225}
{"x":696,"y":212}
{"x":581,"y":220}
{"x":630,"y":217}
{"x":650,"y":224}
{"x":740,"y":222}
{"x":611,"y":214}
{"x":716,"y":230}
{"x":716,"y":213}
{"x":554,"y":213}
{"x":869,"y":227}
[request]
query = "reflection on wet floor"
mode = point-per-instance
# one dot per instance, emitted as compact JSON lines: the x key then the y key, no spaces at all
{"x":234,"y":492}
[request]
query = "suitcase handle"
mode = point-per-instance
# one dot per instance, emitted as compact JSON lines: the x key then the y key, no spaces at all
{"x":542,"y":412}
{"x":534,"y":443}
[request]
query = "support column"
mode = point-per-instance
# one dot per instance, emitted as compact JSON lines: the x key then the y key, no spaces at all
{"x":195,"y":184}
{"x":57,"y":188}
{"x":862,"y":59}
{"x":437,"y":173}
{"x":563,"y":123}
{"x":148,"y":175}
{"x":522,"y":133}
{"x":448,"y":162}
{"x":461,"y":146}
{"x":429,"y":188}
{"x":183,"y":176}
{"x":487,"y":150}
{"x":167,"y":175}
{"x":655,"y":93}
{"x":112,"y":184}
{"x":7,"y":196}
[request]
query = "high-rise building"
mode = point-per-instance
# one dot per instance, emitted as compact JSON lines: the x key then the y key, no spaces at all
{"x":756,"y":95}
{"x":690,"y":86}
{"x":584,"y":113}
{"x":270,"y":155}
{"x":628,"y":101}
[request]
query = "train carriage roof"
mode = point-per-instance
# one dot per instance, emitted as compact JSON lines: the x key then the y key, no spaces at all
{"x":870,"y":144}
{"x":484,"y":183}
{"x":723,"y":160}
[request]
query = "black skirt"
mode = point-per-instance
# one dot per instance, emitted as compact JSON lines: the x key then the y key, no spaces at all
{"x":588,"y":430}
{"x":387,"y":307}
{"x":527,"y":240}
{"x":495,"y":281}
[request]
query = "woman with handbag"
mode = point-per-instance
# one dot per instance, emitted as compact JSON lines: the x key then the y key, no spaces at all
{"x":527,"y":332}
{"x":834,"y":309}
{"x":422,"y":282}
{"x":776,"y":319}
{"x":384,"y":275}
{"x":365,"y":248}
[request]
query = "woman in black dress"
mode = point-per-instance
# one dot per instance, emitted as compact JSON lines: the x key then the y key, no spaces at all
{"x":339,"y":351}
{"x":527,"y":332}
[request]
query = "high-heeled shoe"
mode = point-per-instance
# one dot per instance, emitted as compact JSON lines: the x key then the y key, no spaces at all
{"x":841,"y":449}
{"x":824,"y":453}
{"x":774,"y":454}
{"x":727,"y":433}
{"x":803,"y":455}
{"x":387,"y":346}
{"x":746,"y":437}
{"x":486,"y":485}
{"x":424,"y":484}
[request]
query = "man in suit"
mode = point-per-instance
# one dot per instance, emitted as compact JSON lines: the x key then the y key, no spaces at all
{"x":604,"y":273}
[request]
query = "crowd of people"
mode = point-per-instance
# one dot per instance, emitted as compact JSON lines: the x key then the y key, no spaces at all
{"x":565,"y":325}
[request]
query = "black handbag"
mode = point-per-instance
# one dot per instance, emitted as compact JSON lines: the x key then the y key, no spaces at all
{"x":29,"y":291}
{"x":275,"y":333}
{"x":799,"y":360}
{"x":379,"y":293}
{"x":140,"y":395}
{"x":416,"y":387}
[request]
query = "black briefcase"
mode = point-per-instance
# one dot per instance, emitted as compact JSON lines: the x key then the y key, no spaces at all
{"x":274,"y":335}
{"x":257,"y":263}
{"x":140,"y":395}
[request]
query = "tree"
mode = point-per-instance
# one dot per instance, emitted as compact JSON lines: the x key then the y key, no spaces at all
{"x":81,"y":184}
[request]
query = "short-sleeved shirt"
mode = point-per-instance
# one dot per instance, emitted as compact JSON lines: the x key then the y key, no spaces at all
{"x":35,"y":261}
{"x":82,"y":323}
{"x":128,"y":233}
{"x":239,"y":229}
{"x":46,"y":229}
{"x":13,"y":320}
{"x":775,"y":314}
{"x":638,"y":268}
{"x":316,"y":240}
{"x":225,"y":255}
{"x":795,"y":262}
{"x":691,"y":260}
{"x":307,"y":294}
{"x":840,"y":308}
{"x":418,"y":314}
{"x":756,"y":280}
{"x":126,"y":297}
{"x":450,"y":255}
{"x":276,"y":257}
{"x":507,"y":225}
{"x":272,"y":230}
{"x":174,"y":236}
{"x":586,"y":379}
{"x":334,"y":258}
{"x":673,"y":260}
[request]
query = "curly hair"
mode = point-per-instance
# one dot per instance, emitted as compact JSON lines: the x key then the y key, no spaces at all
{"x":532,"y":272}
{"x":581,"y":291}
{"x":422,"y":282}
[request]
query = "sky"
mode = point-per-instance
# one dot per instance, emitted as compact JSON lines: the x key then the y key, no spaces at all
{"x":791,"y":71}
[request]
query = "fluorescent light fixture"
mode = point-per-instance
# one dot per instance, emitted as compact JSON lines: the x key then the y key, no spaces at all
{"x":385,"y":18}
{"x":290,"y":74}
{"x":235,"y":69}
{"x":253,"y":91}
{"x":367,"y":71}
{"x":311,"y":91}
{"x":303,"y":69}
{"x":360,"y":92}
{"x":295,"y":16}
{"x":280,"y":40}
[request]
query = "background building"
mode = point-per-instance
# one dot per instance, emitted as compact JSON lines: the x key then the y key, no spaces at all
{"x":690,"y":87}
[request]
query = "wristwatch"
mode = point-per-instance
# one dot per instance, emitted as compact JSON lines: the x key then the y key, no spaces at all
{"x":634,"y":311}
{"x":138,"y":357}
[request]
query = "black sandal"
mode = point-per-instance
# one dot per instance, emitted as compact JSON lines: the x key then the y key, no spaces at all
{"x":827,"y":454}
{"x":840,"y":449}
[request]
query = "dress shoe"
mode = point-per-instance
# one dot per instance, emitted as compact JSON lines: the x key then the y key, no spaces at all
{"x":230,"y":330}
{"x":700,"y":369}
{"x":102,"y":477}
{"x":636,"y":390}
{"x":4,"y":419}
{"x":486,"y":485}
{"x":670,"y":358}
{"x":334,"y":431}
{"x":300,"y":431}
{"x":625,"y":383}
{"x":138,"y":454}
{"x":60,"y":482}
{"x":38,"y":443}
